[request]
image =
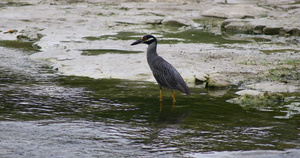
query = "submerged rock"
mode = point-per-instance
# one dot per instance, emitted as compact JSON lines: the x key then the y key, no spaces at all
{"x":217,"y":92}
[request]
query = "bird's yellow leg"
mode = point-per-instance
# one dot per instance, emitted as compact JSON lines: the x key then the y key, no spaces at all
{"x":173,"y":96}
{"x":161,"y":95}
{"x":160,"y":105}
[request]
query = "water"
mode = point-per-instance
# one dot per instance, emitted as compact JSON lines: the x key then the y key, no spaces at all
{"x":173,"y":37}
{"x":45,"y":114}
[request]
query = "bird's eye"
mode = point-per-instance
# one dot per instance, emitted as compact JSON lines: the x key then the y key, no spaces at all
{"x":144,"y":38}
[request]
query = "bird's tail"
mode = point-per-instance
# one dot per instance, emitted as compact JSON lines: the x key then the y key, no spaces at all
{"x":184,"y":89}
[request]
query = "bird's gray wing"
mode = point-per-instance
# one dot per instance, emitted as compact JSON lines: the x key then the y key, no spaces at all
{"x":167,"y":76}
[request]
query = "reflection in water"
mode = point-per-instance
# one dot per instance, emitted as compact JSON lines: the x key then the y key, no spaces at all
{"x":44,"y":114}
{"x":217,"y":92}
{"x":161,"y":104}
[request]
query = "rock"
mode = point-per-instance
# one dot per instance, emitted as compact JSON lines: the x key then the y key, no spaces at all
{"x":273,"y":87}
{"x":259,"y":29}
{"x":241,"y":26}
{"x":176,"y":22}
{"x":289,"y":6}
{"x":239,"y":11}
{"x":153,"y":21}
{"x":258,"y":100}
{"x":249,"y":92}
{"x":201,"y":77}
{"x":30,"y":34}
{"x":225,"y":23}
{"x":63,"y":58}
{"x":217,"y":81}
{"x":293,"y":31}
{"x":268,"y":30}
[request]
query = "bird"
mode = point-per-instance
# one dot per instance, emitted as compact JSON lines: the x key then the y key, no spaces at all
{"x":164,"y":73}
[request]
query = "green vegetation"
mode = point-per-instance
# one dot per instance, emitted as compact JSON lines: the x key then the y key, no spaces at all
{"x":20,"y":45}
{"x":119,"y":36}
{"x":286,"y":70}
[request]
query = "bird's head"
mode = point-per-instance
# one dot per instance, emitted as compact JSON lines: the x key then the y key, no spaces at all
{"x":148,"y":39}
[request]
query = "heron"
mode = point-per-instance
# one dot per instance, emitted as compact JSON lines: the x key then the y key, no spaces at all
{"x":164,"y":73}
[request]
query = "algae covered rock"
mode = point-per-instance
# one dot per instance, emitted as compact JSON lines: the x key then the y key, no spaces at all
{"x":258,"y":99}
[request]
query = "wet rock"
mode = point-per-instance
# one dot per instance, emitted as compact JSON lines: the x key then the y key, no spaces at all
{"x":217,"y":81}
{"x":257,"y":100}
{"x":268,"y":30}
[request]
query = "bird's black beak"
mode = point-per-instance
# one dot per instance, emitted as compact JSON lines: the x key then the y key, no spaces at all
{"x":137,"y":42}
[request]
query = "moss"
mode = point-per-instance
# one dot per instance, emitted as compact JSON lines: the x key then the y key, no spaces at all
{"x":284,"y":74}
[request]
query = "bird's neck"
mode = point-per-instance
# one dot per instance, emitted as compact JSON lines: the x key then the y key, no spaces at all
{"x":151,"y":51}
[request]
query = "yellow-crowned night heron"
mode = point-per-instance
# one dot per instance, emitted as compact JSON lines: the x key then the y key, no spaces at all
{"x":164,"y":73}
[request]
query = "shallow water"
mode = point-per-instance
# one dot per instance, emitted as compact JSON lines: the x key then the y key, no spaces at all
{"x":44,"y":114}
{"x":172,"y":37}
